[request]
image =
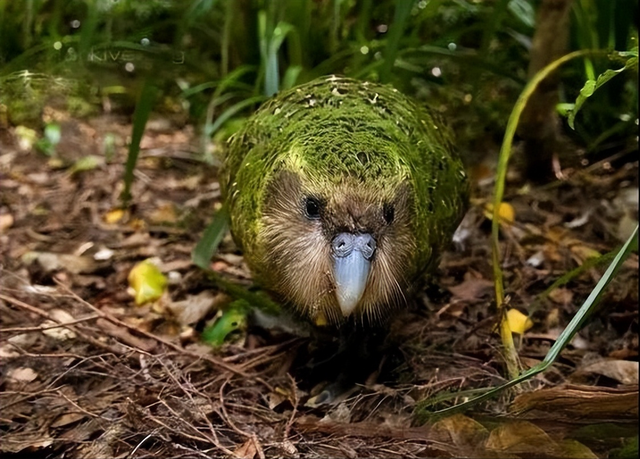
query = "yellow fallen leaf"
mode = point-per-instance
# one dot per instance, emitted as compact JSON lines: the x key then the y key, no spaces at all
{"x":147,"y":282}
{"x":506,"y":213}
{"x":113,"y":216}
{"x":518,"y":322}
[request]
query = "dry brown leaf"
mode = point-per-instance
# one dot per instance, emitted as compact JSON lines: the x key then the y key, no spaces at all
{"x":8,"y":351}
{"x":6,"y":222}
{"x":553,"y":319}
{"x":625,"y":227}
{"x":472,"y":289}
{"x":247,"y":450}
{"x":67,"y":418}
{"x":452,"y":310}
{"x":581,"y":253}
{"x":556,"y":234}
{"x":275,"y":398}
{"x":462,"y":430}
{"x":164,"y":213}
{"x":519,"y":437}
{"x":623,"y":371}
{"x":22,"y":374}
{"x":61,"y":333}
{"x":195,"y":307}
{"x":289,"y":448}
{"x":572,"y":449}
{"x":561,"y":296}
{"x":56,"y":261}
{"x":135,"y":240}
{"x":551,"y":253}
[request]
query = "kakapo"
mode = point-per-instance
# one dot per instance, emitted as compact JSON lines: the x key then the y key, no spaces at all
{"x":341,"y":195}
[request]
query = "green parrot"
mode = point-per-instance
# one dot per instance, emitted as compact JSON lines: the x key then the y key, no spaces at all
{"x":341,"y":195}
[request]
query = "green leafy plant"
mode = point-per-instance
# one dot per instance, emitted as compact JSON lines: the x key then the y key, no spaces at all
{"x":510,"y":353}
{"x":592,"y":85}
{"x":52,"y":135}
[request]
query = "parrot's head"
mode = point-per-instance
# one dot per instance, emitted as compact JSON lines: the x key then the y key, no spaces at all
{"x":336,"y":232}
{"x":341,"y":194}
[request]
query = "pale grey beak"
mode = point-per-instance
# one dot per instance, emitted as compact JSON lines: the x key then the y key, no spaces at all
{"x":352,"y":254}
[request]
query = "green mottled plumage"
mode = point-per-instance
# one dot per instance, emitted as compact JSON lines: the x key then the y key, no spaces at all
{"x":361,"y":149}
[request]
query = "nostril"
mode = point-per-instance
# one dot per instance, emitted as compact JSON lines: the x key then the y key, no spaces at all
{"x":367,"y":245}
{"x":343,"y":244}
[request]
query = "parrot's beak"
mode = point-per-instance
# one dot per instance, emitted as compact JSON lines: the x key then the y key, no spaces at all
{"x":352,"y":254}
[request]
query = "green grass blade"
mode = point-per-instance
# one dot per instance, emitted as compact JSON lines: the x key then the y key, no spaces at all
{"x":229,"y":81}
{"x":491,"y":25}
{"x":268,"y":52}
{"x":565,"y":337}
{"x":147,"y":100}
{"x":229,"y":112}
{"x":3,"y":8}
{"x":211,"y":238}
{"x":291,"y":76}
{"x":568,"y":277}
{"x":88,"y":30}
{"x":589,"y":304}
{"x":501,"y":173}
{"x":206,"y":249}
{"x":402,"y":11}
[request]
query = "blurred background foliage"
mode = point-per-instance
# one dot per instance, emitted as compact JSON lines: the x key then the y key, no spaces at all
{"x":214,"y":61}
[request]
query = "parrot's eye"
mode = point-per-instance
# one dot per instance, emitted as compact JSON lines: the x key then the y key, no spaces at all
{"x":388,"y":213}
{"x":312,"y":208}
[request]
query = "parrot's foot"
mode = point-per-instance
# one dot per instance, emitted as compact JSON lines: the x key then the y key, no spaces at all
{"x":356,"y":361}
{"x":334,"y":393}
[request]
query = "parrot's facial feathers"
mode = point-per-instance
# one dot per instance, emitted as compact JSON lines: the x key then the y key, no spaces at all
{"x":302,"y":219}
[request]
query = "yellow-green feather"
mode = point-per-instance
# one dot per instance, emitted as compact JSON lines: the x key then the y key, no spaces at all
{"x":337,"y":129}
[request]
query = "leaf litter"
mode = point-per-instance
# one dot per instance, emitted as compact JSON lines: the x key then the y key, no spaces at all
{"x":88,"y":373}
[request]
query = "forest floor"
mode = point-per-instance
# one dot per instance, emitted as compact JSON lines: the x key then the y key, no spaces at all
{"x":121,"y":380}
